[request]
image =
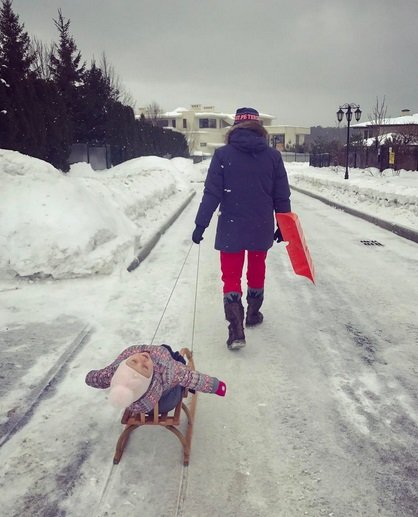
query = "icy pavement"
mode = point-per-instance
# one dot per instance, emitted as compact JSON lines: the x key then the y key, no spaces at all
{"x":48,"y":344}
{"x":321,"y":414}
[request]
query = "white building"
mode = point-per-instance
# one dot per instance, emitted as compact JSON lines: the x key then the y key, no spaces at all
{"x":205,"y":129}
{"x":403,"y":129}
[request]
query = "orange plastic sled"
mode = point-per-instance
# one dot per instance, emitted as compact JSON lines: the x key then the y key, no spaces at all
{"x":297,"y":249}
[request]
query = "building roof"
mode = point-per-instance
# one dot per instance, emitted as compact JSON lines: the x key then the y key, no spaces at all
{"x":229,"y":116}
{"x":395,"y":121}
{"x":175,"y":113}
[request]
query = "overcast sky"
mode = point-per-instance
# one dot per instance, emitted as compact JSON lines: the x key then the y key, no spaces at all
{"x":297,"y":60}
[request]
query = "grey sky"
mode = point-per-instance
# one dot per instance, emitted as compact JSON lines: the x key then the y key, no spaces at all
{"x":296,"y":60}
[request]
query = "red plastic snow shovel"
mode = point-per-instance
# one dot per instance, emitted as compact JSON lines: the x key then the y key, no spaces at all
{"x":297,"y":248}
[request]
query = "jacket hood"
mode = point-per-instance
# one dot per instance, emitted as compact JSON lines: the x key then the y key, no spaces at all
{"x":250,"y":137}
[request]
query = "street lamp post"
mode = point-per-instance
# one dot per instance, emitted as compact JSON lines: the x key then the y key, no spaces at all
{"x":349,"y":109}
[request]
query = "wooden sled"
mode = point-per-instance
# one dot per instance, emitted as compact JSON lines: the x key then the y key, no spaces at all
{"x":170,"y":420}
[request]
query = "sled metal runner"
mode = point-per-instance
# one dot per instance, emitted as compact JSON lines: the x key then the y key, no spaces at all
{"x":171,"y":420}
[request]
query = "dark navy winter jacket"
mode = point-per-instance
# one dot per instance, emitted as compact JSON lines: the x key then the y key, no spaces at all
{"x":248,"y":181}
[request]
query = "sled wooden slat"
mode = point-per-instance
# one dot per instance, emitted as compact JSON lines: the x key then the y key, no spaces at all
{"x":170,"y":420}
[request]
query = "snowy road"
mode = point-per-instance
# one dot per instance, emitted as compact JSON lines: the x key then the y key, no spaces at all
{"x":321,"y":414}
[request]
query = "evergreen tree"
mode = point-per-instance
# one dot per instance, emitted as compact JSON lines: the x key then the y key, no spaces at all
{"x":96,"y":98}
{"x":145,"y":141}
{"x":177,"y":145}
{"x":42,"y":113}
{"x":152,"y":140}
{"x":67,"y":72}
{"x":48,"y":108}
{"x":66,"y":68}
{"x":4,"y":110}
{"x":121,"y":133}
{"x":15,"y":62}
{"x":15,"y":55}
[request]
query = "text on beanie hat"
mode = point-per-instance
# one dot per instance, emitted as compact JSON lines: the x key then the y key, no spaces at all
{"x":246,"y":114}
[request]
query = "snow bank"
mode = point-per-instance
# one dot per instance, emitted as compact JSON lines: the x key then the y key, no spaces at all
{"x":81,"y":223}
{"x":388,"y":195}
{"x":194,"y":172}
{"x":86,"y":222}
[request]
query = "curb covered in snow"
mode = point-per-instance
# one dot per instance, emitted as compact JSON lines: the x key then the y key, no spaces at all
{"x":19,"y":415}
{"x":402,"y":231}
{"x":149,"y":245}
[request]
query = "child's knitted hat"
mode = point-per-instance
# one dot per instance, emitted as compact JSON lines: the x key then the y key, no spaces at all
{"x":127,"y":386}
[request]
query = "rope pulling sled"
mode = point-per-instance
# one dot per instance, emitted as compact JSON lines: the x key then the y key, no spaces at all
{"x":172,"y":419}
{"x":302,"y":265}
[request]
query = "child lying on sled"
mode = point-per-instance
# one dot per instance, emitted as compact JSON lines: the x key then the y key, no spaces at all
{"x":143,"y":375}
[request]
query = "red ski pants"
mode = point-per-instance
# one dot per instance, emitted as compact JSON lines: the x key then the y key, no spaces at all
{"x":232,"y":265}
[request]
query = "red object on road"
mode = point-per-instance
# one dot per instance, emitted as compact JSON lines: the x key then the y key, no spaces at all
{"x":297,"y":249}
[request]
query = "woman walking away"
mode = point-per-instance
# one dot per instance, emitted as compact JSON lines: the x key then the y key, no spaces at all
{"x":248,"y":181}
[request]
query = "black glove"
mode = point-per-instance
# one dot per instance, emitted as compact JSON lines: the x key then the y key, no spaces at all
{"x":197,"y":235}
{"x":278,"y":237}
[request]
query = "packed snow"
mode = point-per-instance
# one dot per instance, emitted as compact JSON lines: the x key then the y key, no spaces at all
{"x":389,"y":195}
{"x":322,"y":397}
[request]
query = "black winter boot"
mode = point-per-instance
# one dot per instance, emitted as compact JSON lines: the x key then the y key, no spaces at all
{"x":255,"y":299}
{"x":234,"y":313}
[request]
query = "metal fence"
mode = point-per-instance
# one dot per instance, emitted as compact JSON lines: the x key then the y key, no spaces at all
{"x":320,"y":160}
{"x":383,"y":157}
{"x":294,"y":157}
{"x":98,"y":156}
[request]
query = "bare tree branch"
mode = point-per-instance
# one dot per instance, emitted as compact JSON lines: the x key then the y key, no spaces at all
{"x":42,"y":53}
{"x":378,"y":119}
{"x":153,"y":113}
{"x":119,"y":91}
{"x":406,"y":135}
